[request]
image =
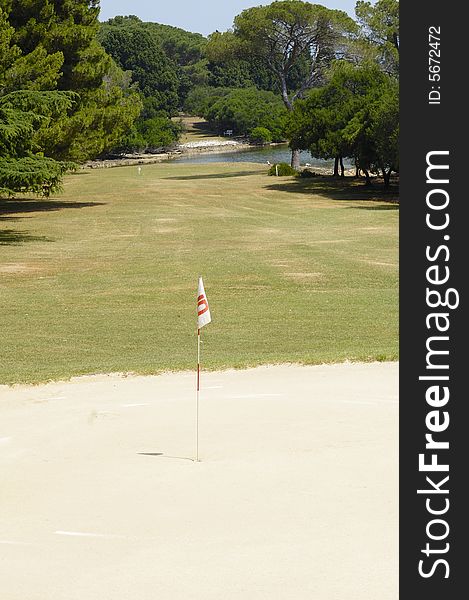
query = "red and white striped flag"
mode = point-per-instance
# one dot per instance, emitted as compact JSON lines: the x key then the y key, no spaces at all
{"x":203,"y":311}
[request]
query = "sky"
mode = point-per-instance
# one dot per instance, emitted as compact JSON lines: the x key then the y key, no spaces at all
{"x":202,"y":16}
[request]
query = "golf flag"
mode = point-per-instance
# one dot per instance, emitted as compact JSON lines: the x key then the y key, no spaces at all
{"x":203,"y":311}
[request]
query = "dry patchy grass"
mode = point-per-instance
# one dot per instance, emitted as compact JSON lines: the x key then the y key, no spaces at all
{"x":103,"y":278}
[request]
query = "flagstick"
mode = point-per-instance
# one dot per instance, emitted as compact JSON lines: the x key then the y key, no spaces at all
{"x":203,"y":318}
{"x":198,"y":390}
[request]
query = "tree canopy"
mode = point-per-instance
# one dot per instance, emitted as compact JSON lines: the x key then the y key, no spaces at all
{"x":59,"y":39}
{"x":355,"y":115}
{"x":296,"y":41}
{"x":380,"y":28}
{"x":165,"y":63}
{"x":23,"y":167}
{"x":292,"y":35}
{"x":135,"y":49}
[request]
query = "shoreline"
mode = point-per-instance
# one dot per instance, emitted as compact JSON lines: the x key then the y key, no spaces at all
{"x":128,"y":160}
{"x":192,"y":149}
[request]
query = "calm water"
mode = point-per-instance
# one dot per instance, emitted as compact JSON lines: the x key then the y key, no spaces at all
{"x":273,"y":154}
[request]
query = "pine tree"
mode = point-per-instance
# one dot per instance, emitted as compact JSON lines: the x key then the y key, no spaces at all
{"x":107,"y":104}
{"x":23,"y":168}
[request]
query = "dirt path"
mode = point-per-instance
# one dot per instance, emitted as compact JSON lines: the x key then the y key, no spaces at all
{"x":295,"y":497}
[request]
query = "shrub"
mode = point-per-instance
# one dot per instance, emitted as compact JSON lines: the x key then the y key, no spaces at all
{"x":283,"y":170}
{"x":159,"y":132}
{"x":260,"y":135}
{"x":150,"y":135}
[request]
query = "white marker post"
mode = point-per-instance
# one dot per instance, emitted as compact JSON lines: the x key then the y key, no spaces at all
{"x":203,"y":318}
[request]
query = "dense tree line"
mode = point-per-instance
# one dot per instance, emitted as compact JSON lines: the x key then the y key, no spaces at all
{"x":166,"y":63}
{"x":72,"y":88}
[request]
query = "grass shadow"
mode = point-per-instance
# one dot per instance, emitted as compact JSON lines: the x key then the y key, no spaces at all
{"x":390,"y":205}
{"x":347,"y":188}
{"x":11,"y":237}
{"x":13,"y":218}
{"x":213,"y":176}
{"x":13,"y":207}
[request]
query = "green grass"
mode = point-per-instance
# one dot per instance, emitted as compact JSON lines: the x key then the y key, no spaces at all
{"x":103,"y":278}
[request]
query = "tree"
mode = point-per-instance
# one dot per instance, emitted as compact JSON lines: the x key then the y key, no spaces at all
{"x":376,"y":132}
{"x":356,"y":115}
{"x":380,"y":28}
{"x":183,"y":47}
{"x":23,"y":167}
{"x":151,"y":135}
{"x":164,"y":59}
{"x":106,"y":105}
{"x":38,"y":70}
{"x":317,"y":122}
{"x":292,"y":37}
{"x":138,"y":48}
{"x":229,"y":67}
{"x":186,"y":50}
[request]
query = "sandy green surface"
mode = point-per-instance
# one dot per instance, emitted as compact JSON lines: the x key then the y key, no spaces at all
{"x":295,"y":497}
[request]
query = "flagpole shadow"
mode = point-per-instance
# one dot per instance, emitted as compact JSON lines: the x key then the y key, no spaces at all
{"x":162,"y":455}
